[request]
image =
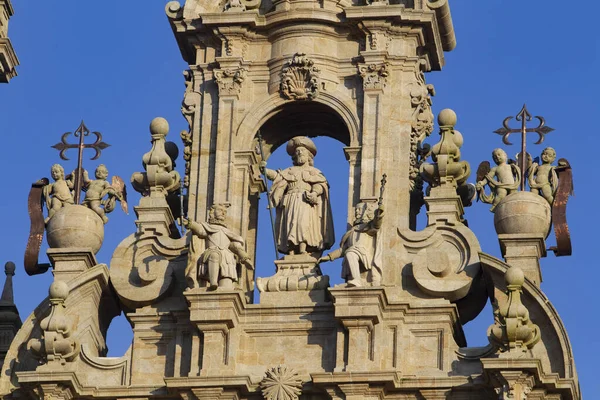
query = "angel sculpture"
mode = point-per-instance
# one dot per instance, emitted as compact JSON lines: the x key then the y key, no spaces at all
{"x":543,"y":178}
{"x":97,"y":189}
{"x":503,"y":179}
{"x":57,"y":194}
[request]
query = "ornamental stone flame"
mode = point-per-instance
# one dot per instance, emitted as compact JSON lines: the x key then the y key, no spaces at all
{"x":300,"y":78}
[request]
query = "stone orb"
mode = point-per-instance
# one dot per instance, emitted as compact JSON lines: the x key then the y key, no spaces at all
{"x":58,"y":290}
{"x":447,"y":117}
{"x":75,"y":226}
{"x":514,"y":277}
{"x":159,"y":127}
{"x":523,"y":213}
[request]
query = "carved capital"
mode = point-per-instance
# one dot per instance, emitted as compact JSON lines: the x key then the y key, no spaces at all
{"x":512,"y":385}
{"x":300,"y":78}
{"x":230,"y":81}
{"x":374,"y":76}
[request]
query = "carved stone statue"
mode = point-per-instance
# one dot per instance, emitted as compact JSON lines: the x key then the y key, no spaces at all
{"x":543,"y":178}
{"x":503,"y":179}
{"x":300,"y":193}
{"x":58,"y":194}
{"x":361,"y":246}
{"x":217,"y":264}
{"x":97,"y":189}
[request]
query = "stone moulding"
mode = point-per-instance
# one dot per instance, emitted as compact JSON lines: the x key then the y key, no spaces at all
{"x":300,"y":78}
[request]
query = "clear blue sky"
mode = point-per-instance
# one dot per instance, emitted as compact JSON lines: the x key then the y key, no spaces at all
{"x":116,"y":65}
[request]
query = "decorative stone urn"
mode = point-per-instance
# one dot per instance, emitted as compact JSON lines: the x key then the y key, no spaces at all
{"x":75,"y":226}
{"x":523,"y":213}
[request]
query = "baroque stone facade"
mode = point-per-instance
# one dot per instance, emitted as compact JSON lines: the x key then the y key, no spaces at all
{"x":262,"y":75}
{"x":8,"y":58}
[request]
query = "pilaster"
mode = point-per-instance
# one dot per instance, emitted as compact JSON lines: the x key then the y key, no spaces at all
{"x":524,"y":251}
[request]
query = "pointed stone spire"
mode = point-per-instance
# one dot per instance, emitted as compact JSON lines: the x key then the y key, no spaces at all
{"x":10,"y":322}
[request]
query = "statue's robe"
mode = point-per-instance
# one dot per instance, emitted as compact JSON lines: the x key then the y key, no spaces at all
{"x":297,"y":220}
{"x":364,"y":240}
{"x":219,"y":240}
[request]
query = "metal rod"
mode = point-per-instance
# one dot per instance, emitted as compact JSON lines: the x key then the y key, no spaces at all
{"x":269,"y":205}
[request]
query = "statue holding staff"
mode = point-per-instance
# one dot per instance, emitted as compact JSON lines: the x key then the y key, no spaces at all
{"x":300,"y":193}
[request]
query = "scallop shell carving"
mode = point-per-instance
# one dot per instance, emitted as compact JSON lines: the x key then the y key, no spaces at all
{"x":281,"y":383}
{"x":300,"y":78}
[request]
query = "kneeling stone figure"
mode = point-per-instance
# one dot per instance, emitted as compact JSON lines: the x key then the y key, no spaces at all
{"x":217,"y":264}
{"x":361,"y":247}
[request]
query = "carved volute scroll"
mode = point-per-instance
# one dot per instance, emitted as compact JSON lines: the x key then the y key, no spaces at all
{"x":300,"y":78}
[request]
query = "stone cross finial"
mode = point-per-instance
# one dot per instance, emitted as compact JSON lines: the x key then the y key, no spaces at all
{"x":512,"y":329}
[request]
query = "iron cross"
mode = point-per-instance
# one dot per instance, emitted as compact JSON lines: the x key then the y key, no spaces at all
{"x":524,"y":116}
{"x":81,"y":132}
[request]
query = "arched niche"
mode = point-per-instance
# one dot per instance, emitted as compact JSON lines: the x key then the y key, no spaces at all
{"x":279,"y":120}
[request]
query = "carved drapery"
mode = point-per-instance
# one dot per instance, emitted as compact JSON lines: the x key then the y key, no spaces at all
{"x":300,"y":78}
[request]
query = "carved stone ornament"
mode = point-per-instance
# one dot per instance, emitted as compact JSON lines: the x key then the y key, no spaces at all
{"x":241,"y":5}
{"x":512,"y":329}
{"x":56,"y":344}
{"x":447,"y":168}
{"x":374,"y":76}
{"x":186,"y":138}
{"x":281,"y":383}
{"x":190,"y":98}
{"x":230,"y":81}
{"x":160,"y":178}
{"x":300,"y":78}
{"x":421,"y":124}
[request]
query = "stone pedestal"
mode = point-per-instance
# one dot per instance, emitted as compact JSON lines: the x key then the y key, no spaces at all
{"x":358,"y":309}
{"x":297,"y":280}
{"x":215,"y":314}
{"x":154,"y":215}
{"x":524,"y":251}
{"x":444,"y":205}
{"x":70,"y":262}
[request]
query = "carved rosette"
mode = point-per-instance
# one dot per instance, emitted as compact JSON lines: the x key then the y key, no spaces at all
{"x":300,"y":78}
{"x":230,"y":81}
{"x":374,"y":76}
{"x":281,"y":383}
{"x":421,"y":125}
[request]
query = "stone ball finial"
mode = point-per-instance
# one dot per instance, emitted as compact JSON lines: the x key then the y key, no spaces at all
{"x":59,"y":290}
{"x":159,"y":127}
{"x":172,"y":150}
{"x":9,"y":268}
{"x":447,"y":117}
{"x":514,"y":277}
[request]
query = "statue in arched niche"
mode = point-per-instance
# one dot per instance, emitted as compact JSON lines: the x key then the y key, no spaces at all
{"x":300,"y":193}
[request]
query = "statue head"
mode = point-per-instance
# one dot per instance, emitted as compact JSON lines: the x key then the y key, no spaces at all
{"x":548,"y":155}
{"x":499,"y":156}
{"x":218,"y":213}
{"x":364,"y":212}
{"x":57,"y":172}
{"x":101,"y":172}
{"x":302,"y":150}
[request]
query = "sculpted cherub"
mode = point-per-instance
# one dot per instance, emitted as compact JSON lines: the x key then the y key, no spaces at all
{"x":361,"y":246}
{"x":218,"y":263}
{"x":503,"y":179}
{"x":543,"y":178}
{"x":58,"y":194}
{"x":101,"y":196}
